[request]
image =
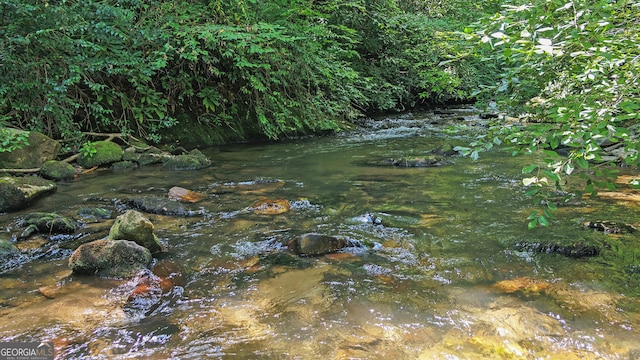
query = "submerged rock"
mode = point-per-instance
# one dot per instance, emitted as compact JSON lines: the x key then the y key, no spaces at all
{"x":316,"y":244}
{"x":95,"y":213}
{"x":158,"y":205}
{"x":181,"y":194}
{"x":17,"y":193}
{"x":270,"y":207}
{"x":110,"y":258}
{"x":7,"y":249}
{"x":430,"y":160}
{"x":575,"y":249}
{"x":147,"y":292}
{"x":524,"y":285}
{"x":609,"y":227}
{"x":134,"y":226}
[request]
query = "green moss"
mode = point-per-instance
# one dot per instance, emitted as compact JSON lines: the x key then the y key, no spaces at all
{"x":192,"y":161}
{"x":57,"y":170}
{"x":51,"y":223}
{"x":123,"y":165}
{"x":7,"y":249}
{"x":106,"y":152}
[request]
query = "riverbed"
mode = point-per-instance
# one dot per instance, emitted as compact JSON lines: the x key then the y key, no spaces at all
{"x":433,"y":270}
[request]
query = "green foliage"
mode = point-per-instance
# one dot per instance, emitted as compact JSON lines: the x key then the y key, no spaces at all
{"x":12,"y":140}
{"x":570,"y":69}
{"x":253,"y":68}
{"x":88,"y":149}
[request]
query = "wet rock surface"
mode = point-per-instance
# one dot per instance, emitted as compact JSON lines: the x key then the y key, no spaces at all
{"x":192,"y":161}
{"x":316,"y":244}
{"x":575,"y":249}
{"x":18,"y":193}
{"x":158,"y":205}
{"x":57,"y":170}
{"x":105,"y":152}
{"x":185,"y":195}
{"x":134,"y":226}
{"x":110,"y":258}
{"x":47,"y":223}
{"x":609,"y":227}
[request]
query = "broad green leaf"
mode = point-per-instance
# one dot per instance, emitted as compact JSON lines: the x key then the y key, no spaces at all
{"x":582,"y":163}
{"x":542,"y":220}
{"x":529,"y":168}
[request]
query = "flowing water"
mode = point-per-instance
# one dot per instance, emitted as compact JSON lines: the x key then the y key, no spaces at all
{"x":432,"y":272}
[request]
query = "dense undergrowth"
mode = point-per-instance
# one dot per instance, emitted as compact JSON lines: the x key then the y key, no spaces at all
{"x":241,"y":69}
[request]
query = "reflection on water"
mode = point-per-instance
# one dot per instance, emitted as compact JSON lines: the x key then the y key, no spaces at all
{"x":435,"y":275}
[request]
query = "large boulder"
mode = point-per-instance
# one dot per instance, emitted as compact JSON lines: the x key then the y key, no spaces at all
{"x":110,"y":258}
{"x":315,"y":244}
{"x":17,"y":193}
{"x":134,"y":226}
{"x":106,"y":152}
{"x":40,"y":149}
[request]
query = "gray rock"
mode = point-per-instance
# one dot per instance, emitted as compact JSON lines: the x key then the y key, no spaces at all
{"x":110,"y":258}
{"x":134,"y":226}
{"x":7,"y":249}
{"x":57,"y":170}
{"x":17,"y":193}
{"x":315,"y":244}
{"x":40,"y":149}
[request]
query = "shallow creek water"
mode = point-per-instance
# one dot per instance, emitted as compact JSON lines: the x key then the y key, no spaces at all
{"x":439,"y":278}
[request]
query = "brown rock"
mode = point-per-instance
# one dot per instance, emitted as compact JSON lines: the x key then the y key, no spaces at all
{"x":181,"y":194}
{"x":316,"y":244}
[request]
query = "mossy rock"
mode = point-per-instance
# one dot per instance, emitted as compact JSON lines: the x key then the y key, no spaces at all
{"x":39,"y":149}
{"x":57,"y":170}
{"x":148,"y":159}
{"x":50,"y":223}
{"x":191,"y":161}
{"x":17,"y":193}
{"x":130,"y":154}
{"x":7,"y":249}
{"x":123,"y":165}
{"x":106,"y":152}
{"x":110,"y":258}
{"x":134,"y":226}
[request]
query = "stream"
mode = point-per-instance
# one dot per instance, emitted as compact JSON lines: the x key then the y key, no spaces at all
{"x":432,"y":270}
